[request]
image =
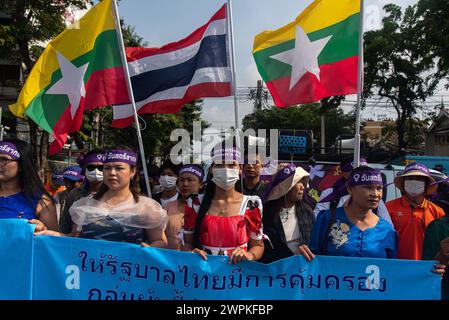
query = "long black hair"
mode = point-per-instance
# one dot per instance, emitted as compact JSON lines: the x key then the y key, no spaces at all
{"x":134,"y":184}
{"x":209,"y":195}
{"x":29,"y":180}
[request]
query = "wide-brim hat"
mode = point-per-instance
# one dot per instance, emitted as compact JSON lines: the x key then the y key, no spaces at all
{"x":416,"y":170}
{"x":287,"y":181}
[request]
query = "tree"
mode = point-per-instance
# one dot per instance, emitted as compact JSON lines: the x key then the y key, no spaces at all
{"x":399,"y":65}
{"x":307,"y":117}
{"x":33,"y":23}
{"x":434,"y":24}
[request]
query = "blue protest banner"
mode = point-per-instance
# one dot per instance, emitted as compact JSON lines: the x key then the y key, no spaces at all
{"x":72,"y":268}
{"x":16,"y":255}
{"x":46,"y":267}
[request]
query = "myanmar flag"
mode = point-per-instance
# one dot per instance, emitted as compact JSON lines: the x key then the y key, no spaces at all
{"x":314,"y":57}
{"x":80,"y":69}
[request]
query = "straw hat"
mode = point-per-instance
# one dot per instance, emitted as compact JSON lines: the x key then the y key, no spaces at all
{"x":416,"y":170}
{"x":286,"y":178}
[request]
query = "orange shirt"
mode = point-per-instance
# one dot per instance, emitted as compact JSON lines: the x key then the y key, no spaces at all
{"x":411,"y":223}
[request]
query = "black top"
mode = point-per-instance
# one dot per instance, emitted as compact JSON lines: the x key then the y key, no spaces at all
{"x":273,"y":228}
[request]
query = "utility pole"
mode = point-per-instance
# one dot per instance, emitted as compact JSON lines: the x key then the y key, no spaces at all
{"x":258,"y":98}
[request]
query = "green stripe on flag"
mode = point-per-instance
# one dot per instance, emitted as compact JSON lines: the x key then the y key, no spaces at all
{"x":46,"y":109}
{"x":342,"y":45}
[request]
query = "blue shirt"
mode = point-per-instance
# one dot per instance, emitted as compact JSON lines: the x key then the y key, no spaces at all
{"x":17,"y":206}
{"x":346,"y":239}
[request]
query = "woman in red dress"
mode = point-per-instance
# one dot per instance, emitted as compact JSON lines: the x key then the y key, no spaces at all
{"x":225,"y":222}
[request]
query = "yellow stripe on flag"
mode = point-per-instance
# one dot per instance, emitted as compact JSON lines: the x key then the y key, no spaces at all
{"x":318,"y":15}
{"x":71,"y":43}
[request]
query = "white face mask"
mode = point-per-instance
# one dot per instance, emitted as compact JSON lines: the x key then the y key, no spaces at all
{"x":225,"y":178}
{"x":168,"y":182}
{"x":94,"y":175}
{"x":414,"y":187}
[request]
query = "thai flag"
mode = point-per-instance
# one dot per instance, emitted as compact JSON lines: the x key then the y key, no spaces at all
{"x":166,"y":78}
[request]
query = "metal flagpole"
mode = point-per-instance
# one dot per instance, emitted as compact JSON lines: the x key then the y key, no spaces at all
{"x":231,"y":45}
{"x":131,"y":95}
{"x":359,"y":92}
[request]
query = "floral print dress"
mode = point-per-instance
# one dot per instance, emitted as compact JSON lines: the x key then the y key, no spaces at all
{"x":346,"y":239}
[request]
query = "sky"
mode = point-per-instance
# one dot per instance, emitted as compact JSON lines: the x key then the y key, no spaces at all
{"x":163,"y":21}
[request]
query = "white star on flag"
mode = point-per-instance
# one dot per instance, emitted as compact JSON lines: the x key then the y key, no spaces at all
{"x":303,"y":57}
{"x":71,"y":83}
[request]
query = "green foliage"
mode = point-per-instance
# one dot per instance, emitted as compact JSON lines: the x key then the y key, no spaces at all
{"x":435,"y":26}
{"x":307,"y":117}
{"x":399,"y":65}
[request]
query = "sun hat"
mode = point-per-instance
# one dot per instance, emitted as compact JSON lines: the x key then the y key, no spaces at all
{"x":416,"y":170}
{"x":285,"y":179}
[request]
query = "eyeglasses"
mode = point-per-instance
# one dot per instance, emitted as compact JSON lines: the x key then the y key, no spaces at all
{"x":92,"y":167}
{"x":5,"y":161}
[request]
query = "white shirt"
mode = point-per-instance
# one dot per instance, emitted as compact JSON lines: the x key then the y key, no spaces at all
{"x":291,"y":229}
{"x":382,"y":210}
{"x":164,"y":201}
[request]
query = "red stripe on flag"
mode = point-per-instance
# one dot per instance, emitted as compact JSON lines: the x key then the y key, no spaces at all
{"x":136,"y":53}
{"x":215,"y":89}
{"x":338,"y":78}
{"x":106,"y":87}
{"x":66,"y":125}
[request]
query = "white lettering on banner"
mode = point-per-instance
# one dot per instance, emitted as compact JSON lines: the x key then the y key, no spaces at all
{"x":72,"y":282}
{"x":373,"y":280}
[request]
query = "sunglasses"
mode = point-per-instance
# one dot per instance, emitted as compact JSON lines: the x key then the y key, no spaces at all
{"x":92,"y":167}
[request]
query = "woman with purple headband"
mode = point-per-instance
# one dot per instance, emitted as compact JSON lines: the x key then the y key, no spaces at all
{"x":118,"y":212}
{"x":189,"y":184}
{"x":227,"y":222}
{"x":354,"y":230}
{"x":92,"y":163}
{"x":22,"y":194}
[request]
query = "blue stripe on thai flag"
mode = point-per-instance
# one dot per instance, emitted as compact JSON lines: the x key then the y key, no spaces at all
{"x":166,"y":78}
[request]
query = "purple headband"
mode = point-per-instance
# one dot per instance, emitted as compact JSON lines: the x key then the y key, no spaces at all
{"x":349,"y":166}
{"x":125,"y":156}
{"x":196,"y":170}
{"x":225,"y":155}
{"x":280,"y":176}
{"x":10,"y":149}
{"x":365,"y":178}
{"x":93,"y":157}
{"x":372,"y":177}
{"x":416,"y":167}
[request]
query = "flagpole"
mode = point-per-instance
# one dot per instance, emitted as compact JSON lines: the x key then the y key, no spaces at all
{"x":131,"y":95}
{"x":231,"y":44}
{"x":359,"y":92}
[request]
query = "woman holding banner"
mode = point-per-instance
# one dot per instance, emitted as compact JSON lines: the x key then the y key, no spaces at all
{"x":287,"y":219}
{"x":22,"y":194}
{"x":354,"y":230}
{"x":118,"y":212}
{"x":189,"y":184}
{"x":226,"y":222}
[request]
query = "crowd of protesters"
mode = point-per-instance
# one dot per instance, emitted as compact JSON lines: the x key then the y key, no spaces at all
{"x":228,"y":210}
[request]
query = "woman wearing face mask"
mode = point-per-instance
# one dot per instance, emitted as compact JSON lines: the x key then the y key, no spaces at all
{"x":412,"y":213}
{"x":92,"y":164}
{"x":354,"y":230}
{"x":189,"y":184}
{"x":117,"y":212}
{"x":226,"y":222}
{"x":287,"y":220}
{"x":168,"y":179}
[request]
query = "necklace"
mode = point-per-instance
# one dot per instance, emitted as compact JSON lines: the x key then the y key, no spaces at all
{"x":113,"y":205}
